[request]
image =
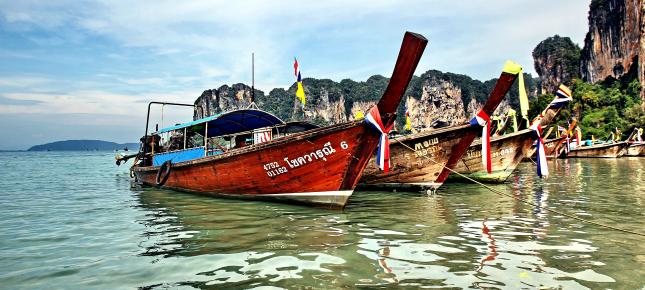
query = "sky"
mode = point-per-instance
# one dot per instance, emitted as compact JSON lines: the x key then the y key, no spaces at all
{"x":87,"y":69}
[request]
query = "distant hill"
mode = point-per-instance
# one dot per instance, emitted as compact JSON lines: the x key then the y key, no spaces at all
{"x":83,"y":145}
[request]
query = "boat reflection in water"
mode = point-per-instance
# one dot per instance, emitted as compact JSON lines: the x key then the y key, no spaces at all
{"x":470,"y":238}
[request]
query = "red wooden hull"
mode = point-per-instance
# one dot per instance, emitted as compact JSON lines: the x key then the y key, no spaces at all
{"x":318,"y":167}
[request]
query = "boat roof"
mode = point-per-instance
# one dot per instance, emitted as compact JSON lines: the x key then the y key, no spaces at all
{"x":231,"y":122}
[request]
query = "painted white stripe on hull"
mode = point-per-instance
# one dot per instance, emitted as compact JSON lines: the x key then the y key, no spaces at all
{"x":317,"y":193}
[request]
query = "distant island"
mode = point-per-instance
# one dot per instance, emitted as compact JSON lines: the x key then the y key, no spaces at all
{"x":83,"y":145}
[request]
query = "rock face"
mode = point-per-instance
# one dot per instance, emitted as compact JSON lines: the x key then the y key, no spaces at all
{"x":222,"y":99}
{"x":557,"y":61}
{"x":440,"y":105}
{"x":615,"y":44}
{"x":322,"y":109}
{"x":434,"y":99}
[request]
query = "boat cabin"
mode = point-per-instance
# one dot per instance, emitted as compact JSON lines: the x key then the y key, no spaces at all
{"x":218,"y":134}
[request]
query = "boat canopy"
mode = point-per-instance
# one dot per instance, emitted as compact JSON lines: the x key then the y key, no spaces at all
{"x":231,"y":122}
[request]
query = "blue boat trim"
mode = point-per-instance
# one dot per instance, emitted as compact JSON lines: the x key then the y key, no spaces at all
{"x":178,"y":156}
{"x":231,"y":122}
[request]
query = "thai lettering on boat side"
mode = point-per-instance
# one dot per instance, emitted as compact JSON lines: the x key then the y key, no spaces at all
{"x":478,"y":153}
{"x":274,"y":168}
{"x":318,"y":154}
{"x":426,"y":147}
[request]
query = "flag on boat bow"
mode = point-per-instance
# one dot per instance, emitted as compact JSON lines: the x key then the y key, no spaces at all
{"x":300,"y":91}
{"x":563,"y":96}
{"x":408,"y":122}
{"x":483,"y":120}
{"x":542,"y":166}
{"x":383,"y":151}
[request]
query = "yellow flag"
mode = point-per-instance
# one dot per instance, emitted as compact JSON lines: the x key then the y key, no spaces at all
{"x":408,"y":123}
{"x":511,"y":114}
{"x":512,"y":67}
{"x":300,"y":93}
{"x":524,"y":100}
{"x":359,"y":115}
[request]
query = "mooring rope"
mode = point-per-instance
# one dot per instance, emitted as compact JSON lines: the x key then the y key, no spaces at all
{"x":526,"y":201}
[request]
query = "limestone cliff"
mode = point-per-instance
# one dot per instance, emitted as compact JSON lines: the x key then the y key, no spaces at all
{"x":440,"y":105}
{"x":556,"y":61}
{"x":615,"y":45}
{"x":435,"y":99}
{"x":224,"y":98}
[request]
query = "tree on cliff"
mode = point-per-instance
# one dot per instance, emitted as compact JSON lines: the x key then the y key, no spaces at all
{"x":600,"y":108}
{"x":557,"y":61}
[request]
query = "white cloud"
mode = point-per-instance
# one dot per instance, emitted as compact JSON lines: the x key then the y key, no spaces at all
{"x":463,"y":34}
{"x":170,"y":51}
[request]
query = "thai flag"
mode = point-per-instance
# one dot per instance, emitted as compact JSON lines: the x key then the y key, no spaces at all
{"x":383,"y":151}
{"x":483,"y":120}
{"x":542,"y":166}
{"x":408,"y":122}
{"x":300,"y":91}
{"x":563,"y":96}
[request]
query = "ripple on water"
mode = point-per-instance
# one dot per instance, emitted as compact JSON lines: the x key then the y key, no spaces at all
{"x":84,"y":227}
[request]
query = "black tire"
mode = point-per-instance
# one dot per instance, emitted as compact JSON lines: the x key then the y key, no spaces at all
{"x":163,"y":173}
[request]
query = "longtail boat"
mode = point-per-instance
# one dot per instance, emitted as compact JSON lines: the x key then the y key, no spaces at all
{"x":636,"y":145}
{"x":240,"y":158}
{"x":558,"y":147}
{"x":419,"y":161}
{"x":508,"y":150}
{"x":611,"y":150}
{"x":552,"y":147}
{"x":635,"y":149}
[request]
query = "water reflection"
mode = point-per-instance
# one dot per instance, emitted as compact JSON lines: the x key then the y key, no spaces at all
{"x":467,"y":237}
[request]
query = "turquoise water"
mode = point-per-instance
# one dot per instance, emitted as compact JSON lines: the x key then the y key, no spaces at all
{"x":71,"y":220}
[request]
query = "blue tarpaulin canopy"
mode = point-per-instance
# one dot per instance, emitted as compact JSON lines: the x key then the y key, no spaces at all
{"x":231,"y":122}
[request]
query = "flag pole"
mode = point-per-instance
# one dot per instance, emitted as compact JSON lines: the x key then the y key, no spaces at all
{"x":252,"y":77}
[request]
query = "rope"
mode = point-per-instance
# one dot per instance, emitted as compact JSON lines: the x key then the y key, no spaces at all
{"x":526,"y":201}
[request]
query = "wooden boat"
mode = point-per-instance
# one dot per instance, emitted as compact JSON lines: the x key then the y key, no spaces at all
{"x":507,"y":152}
{"x":611,"y":150}
{"x":635,"y":149}
{"x":424,"y":167}
{"x":320,"y":166}
{"x":552,"y":147}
